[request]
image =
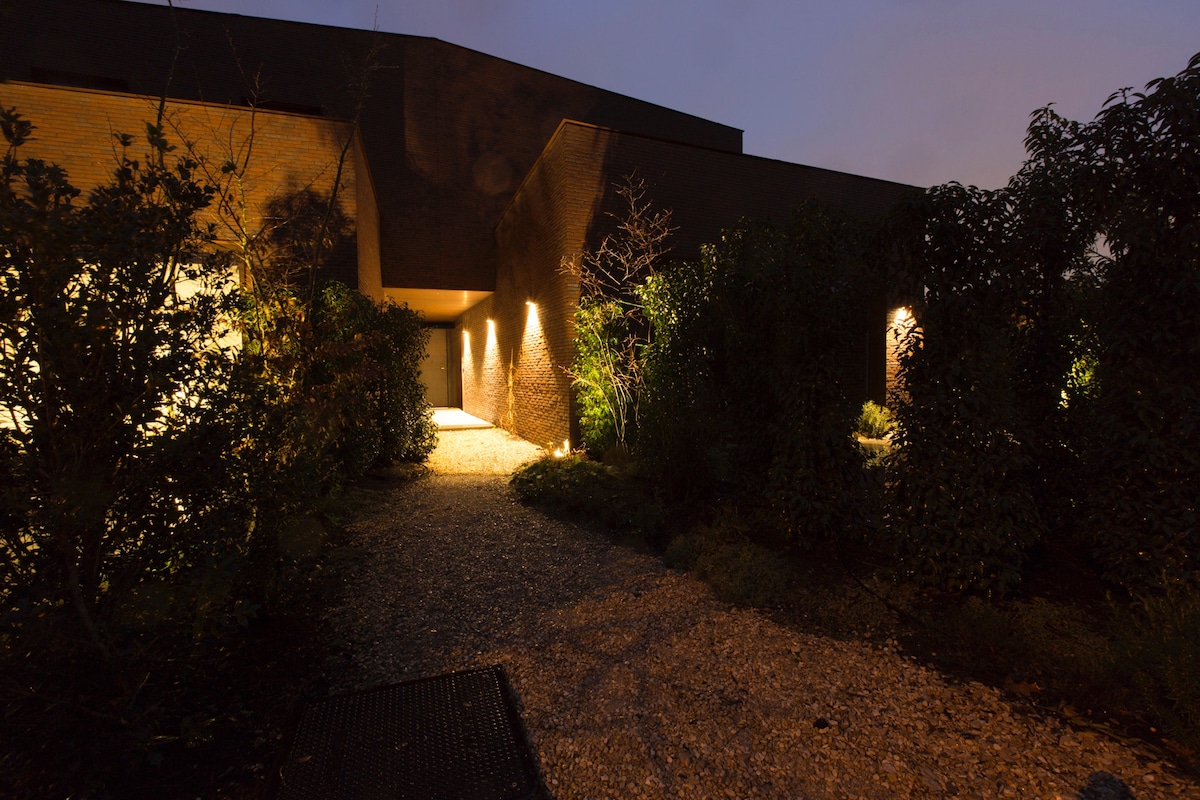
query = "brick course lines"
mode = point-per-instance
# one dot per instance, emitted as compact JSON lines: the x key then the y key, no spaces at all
{"x":75,"y":129}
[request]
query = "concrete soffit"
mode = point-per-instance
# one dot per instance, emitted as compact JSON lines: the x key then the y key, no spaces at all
{"x":436,"y":305}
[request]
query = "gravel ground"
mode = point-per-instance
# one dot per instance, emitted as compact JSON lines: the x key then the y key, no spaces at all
{"x":637,"y":683}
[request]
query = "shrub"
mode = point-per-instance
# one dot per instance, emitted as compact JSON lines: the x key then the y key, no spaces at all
{"x":962,"y":512}
{"x":611,"y":328}
{"x":740,"y":571}
{"x":1141,"y":454}
{"x":746,"y":386}
{"x":110,"y":381}
{"x":594,"y":492}
{"x":1159,"y":646}
{"x":875,"y":422}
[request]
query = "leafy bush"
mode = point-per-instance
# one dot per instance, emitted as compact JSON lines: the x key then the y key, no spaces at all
{"x":611,"y":328}
{"x":110,"y":380}
{"x":375,"y":352}
{"x":606,"y":395}
{"x":145,"y":463}
{"x":740,"y":571}
{"x":755,"y":332}
{"x":1141,"y":454}
{"x":962,"y":511}
{"x":1159,"y":646}
{"x":1053,"y":644}
{"x":875,"y":422}
{"x":593,"y":492}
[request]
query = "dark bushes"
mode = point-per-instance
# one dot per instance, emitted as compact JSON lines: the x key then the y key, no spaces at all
{"x":158,"y":428}
{"x":1054,"y":373}
{"x":746,"y":387}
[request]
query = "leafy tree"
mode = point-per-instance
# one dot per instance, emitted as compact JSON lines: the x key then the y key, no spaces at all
{"x":1053,"y":378}
{"x":1138,"y":177}
{"x":962,"y":514}
{"x":747,"y":375}
{"x":108,"y":374}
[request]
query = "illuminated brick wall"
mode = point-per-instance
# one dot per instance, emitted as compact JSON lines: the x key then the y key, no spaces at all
{"x":449,"y":132}
{"x":75,"y":128}
{"x":899,"y":324}
{"x":565,"y":206}
{"x":520,"y":381}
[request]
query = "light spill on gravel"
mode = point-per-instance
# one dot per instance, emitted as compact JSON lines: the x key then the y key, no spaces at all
{"x":636,"y":683}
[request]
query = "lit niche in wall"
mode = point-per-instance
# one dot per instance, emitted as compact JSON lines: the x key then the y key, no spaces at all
{"x":901,"y":325}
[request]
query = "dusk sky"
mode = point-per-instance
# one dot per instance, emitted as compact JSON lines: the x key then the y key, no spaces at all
{"x":918,"y":91}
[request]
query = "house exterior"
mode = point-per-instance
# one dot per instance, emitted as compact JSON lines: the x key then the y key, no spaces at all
{"x":467,"y":178}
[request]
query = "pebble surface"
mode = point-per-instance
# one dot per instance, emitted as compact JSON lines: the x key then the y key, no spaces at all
{"x":635,"y":682}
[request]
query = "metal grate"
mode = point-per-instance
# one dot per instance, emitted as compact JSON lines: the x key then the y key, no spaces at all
{"x":454,"y":737}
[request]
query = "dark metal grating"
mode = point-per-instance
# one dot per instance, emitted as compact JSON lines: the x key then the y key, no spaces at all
{"x":450,"y":737}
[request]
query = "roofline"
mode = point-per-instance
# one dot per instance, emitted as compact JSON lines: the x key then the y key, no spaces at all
{"x":577,"y":124}
{"x":176,"y":9}
{"x":183,"y":101}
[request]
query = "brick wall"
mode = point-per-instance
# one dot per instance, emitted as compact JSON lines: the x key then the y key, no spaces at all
{"x":565,"y":205}
{"x":450,"y":132}
{"x":899,"y":323}
{"x":366,"y":225}
{"x":75,"y":128}
{"x":548,"y":221}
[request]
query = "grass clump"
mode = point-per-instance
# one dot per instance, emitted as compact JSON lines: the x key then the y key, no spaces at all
{"x":1158,"y":651}
{"x":740,"y":571}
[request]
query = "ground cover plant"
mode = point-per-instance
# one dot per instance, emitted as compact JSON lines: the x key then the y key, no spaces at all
{"x":166,"y":442}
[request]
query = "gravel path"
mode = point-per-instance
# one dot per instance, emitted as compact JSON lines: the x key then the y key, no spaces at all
{"x":637,"y":683}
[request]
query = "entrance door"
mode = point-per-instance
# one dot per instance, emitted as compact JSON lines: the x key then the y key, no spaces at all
{"x":433,"y":369}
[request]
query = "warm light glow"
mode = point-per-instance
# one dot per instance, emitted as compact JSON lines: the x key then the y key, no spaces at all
{"x":903,"y":316}
{"x":491,"y":336}
{"x":533,"y":325}
{"x":565,"y":450}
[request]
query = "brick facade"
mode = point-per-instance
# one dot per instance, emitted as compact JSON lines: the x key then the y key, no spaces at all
{"x":466,"y":177}
{"x":74,"y":128}
{"x":566,"y":205}
{"x":449,"y":132}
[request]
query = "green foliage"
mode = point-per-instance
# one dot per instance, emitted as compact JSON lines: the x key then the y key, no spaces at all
{"x":740,"y":571}
{"x":1140,"y":183}
{"x":605,"y":388}
{"x":593,"y":492}
{"x":963,"y":515}
{"x":1077,"y":282}
{"x":875,"y":421}
{"x":108,"y":379}
{"x":146,"y":461}
{"x":746,"y":380}
{"x":1058,"y":646}
{"x":1159,"y":648}
{"x":611,"y":328}
{"x":376,"y":350}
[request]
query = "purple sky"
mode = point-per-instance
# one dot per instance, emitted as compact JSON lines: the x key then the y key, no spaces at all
{"x":919,"y":91}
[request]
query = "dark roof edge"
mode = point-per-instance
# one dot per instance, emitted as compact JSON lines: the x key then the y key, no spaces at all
{"x":427,"y":39}
{"x":576,"y":123}
{"x":182,"y":101}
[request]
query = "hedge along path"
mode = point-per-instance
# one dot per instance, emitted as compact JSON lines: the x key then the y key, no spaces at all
{"x":637,"y":683}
